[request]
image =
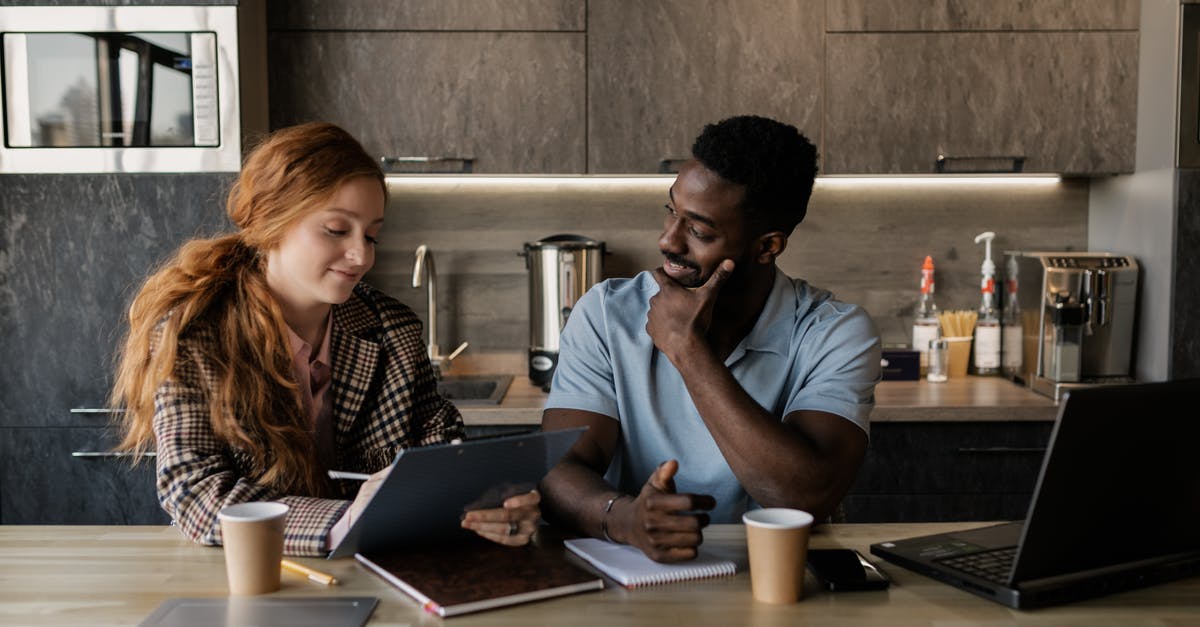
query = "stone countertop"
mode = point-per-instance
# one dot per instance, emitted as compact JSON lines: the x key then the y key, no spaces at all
{"x":969,"y":398}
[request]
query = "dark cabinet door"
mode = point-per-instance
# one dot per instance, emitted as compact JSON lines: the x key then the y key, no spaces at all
{"x":659,"y":71}
{"x":53,"y":475}
{"x":948,"y":471}
{"x":500,"y":102}
{"x":73,"y":251}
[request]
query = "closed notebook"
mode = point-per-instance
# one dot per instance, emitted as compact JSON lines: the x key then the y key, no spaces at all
{"x":474,"y":575}
{"x":631,"y":568}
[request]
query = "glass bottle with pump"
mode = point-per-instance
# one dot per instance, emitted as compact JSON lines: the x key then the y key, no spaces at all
{"x":1012,"y":333}
{"x":925,"y":326}
{"x":987,"y":325}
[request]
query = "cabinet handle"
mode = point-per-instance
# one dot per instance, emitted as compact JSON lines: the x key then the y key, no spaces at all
{"x":1002,"y":449}
{"x":110,"y":454}
{"x":390,"y":164}
{"x":1000,"y":164}
{"x":670,"y":165}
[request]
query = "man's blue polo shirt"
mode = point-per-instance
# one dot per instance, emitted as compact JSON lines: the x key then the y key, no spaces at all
{"x":806,"y":351}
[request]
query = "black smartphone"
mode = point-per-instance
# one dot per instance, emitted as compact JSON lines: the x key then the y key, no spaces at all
{"x":846,"y":569}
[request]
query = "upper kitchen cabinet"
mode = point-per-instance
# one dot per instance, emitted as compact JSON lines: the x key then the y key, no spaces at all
{"x":659,"y":71}
{"x":469,"y":15}
{"x":486,"y":102}
{"x":1047,"y":86}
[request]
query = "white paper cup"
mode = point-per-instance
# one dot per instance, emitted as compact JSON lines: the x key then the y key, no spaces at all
{"x":253,"y":538}
{"x":777,"y":541}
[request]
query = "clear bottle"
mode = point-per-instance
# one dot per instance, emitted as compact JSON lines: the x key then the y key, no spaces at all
{"x":987,"y":324}
{"x":1012,"y":333}
{"x":925,"y":324}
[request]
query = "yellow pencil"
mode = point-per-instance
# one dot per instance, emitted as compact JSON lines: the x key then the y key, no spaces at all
{"x":314,"y":575}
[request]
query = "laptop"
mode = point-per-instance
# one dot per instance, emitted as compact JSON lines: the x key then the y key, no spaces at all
{"x":431,"y":487}
{"x":1116,"y":506}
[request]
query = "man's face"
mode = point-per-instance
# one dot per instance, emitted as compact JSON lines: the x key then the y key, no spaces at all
{"x":703,"y":226}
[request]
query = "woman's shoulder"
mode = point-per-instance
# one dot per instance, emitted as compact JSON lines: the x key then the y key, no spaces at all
{"x":370,"y":307}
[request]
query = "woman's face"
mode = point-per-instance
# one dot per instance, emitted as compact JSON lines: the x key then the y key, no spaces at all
{"x":324,"y":254}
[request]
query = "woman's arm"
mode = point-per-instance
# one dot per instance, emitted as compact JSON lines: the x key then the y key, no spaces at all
{"x":198,"y":474}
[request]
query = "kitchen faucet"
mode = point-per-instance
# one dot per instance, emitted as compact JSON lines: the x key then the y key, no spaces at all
{"x":423,"y":270}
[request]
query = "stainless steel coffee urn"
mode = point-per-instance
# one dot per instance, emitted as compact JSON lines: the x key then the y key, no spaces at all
{"x":561,"y":268}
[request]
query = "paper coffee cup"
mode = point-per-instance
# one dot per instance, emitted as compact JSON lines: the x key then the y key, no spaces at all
{"x":777,"y":541}
{"x":253,"y":539}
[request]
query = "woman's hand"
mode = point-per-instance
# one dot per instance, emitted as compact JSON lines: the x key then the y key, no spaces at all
{"x":514,"y":523}
{"x":365,"y":492}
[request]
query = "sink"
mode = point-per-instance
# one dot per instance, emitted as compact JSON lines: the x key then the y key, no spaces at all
{"x":478,"y":389}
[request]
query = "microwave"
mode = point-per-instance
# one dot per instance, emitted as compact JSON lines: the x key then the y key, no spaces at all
{"x":120,"y":89}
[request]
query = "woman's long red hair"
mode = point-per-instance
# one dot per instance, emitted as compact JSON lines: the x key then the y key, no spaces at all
{"x":216,"y":287}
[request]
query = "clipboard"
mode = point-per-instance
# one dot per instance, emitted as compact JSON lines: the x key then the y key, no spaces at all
{"x":429,"y":488}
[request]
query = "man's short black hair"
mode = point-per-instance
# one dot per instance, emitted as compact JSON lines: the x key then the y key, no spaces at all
{"x":775,"y":162}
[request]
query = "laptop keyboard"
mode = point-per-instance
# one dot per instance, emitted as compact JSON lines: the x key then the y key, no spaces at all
{"x":994,"y":565}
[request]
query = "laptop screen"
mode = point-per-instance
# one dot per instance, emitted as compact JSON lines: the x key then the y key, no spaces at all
{"x":1120,"y":481}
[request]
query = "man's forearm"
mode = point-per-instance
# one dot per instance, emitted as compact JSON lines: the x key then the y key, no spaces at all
{"x":775,"y":463}
{"x":574,"y":496}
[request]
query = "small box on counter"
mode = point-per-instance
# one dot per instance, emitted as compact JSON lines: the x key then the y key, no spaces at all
{"x":901,"y":364}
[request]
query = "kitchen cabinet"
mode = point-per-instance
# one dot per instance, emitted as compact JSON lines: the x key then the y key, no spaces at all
{"x":43,"y":483}
{"x":993,"y":15}
{"x":947,"y":471}
{"x":486,"y":102}
{"x":430,"y":15}
{"x":992,"y":87}
{"x":659,"y":71}
{"x":76,"y":248}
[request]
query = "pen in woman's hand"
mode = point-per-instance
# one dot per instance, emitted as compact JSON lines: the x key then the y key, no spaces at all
{"x":342,"y":474}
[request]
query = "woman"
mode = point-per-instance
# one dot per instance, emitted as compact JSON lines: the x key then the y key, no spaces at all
{"x":257,"y":361}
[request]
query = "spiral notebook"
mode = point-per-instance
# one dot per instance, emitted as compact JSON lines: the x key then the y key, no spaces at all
{"x":631,"y":568}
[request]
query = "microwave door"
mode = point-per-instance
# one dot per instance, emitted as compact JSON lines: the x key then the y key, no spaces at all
{"x":150,"y":81}
{"x":51,"y":90}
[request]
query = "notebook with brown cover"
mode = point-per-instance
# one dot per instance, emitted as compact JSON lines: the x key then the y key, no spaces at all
{"x":475,"y":574}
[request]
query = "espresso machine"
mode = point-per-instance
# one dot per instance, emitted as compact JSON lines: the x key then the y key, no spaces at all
{"x":1076,"y":321}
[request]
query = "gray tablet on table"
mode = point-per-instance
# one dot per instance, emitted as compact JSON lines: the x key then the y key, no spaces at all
{"x":431,"y":487}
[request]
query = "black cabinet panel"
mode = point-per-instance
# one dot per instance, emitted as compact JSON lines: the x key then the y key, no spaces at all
{"x":945,"y":471}
{"x":42,"y":483}
{"x":475,"y":432}
{"x":76,"y":248}
{"x":869,"y":508}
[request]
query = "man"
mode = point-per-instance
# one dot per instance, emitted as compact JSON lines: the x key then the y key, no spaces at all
{"x":715,"y":383}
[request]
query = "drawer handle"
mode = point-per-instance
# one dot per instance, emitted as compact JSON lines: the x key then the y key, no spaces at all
{"x":1000,"y":164}
{"x":670,"y":165}
{"x":111,"y":454}
{"x":1003,"y":449}
{"x":390,"y":164}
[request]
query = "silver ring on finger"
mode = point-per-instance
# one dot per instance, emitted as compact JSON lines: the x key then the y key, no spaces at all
{"x":513,"y":528}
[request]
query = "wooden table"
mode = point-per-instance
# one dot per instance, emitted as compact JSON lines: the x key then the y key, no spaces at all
{"x":92,"y":575}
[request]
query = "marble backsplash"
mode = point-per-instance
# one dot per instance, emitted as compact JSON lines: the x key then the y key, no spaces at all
{"x":863,"y":241}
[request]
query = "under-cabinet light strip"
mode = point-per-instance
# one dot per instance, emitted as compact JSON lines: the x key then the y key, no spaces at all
{"x":657,"y":181}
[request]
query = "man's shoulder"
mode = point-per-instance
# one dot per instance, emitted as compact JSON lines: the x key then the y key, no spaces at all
{"x":619,"y":294}
{"x":820,"y":303}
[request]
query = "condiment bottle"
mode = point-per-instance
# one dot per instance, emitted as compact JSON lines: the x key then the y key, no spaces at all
{"x":1011,"y":334}
{"x":987,"y":325}
{"x":925,"y":324}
